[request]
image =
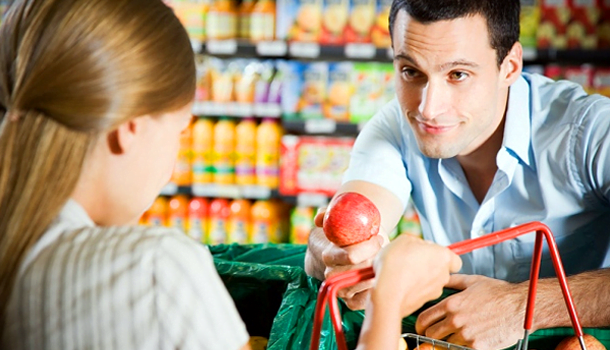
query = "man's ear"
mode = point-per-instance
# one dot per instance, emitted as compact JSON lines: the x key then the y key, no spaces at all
{"x":511,"y":67}
{"x":122,"y":139}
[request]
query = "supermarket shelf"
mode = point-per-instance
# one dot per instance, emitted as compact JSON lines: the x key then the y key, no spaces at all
{"x":234,"y":109}
{"x":368,"y":52}
{"x":222,"y":191}
{"x":321,"y":127}
{"x":278,"y":48}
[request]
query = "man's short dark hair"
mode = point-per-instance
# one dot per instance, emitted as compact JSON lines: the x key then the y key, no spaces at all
{"x":502,"y":17}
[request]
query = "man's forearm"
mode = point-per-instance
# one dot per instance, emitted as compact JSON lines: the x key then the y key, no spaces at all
{"x":591,"y":293}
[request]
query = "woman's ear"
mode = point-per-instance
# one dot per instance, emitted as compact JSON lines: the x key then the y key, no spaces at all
{"x":122,"y":139}
{"x":511,"y":67}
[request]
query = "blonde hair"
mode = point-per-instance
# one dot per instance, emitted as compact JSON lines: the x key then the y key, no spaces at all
{"x":71,"y":70}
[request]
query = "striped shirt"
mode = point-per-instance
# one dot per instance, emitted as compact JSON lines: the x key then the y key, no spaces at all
{"x":88,"y":287}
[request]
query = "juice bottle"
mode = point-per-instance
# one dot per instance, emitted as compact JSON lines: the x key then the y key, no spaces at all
{"x":268,"y":138}
{"x":202,"y":146}
{"x":182,"y":169}
{"x":245,"y":152}
{"x":239,"y":221}
{"x":178,"y":212}
{"x":219,"y":217}
{"x":301,"y":224}
{"x":222,"y":20}
{"x":262,"y":22}
{"x":224,"y":152}
{"x":282,"y":214}
{"x":157,"y":213}
{"x":197,"y":219}
{"x":264,"y":222}
{"x":245,"y":13}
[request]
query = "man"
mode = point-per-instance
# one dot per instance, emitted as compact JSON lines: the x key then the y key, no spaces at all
{"x":480,"y":146}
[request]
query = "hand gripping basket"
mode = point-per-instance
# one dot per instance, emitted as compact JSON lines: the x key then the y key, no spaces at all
{"x":330,"y":287}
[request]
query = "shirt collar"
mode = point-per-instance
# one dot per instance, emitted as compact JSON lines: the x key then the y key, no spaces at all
{"x":517,"y":127}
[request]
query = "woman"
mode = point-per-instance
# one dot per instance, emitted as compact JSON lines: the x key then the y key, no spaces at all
{"x":93,"y":98}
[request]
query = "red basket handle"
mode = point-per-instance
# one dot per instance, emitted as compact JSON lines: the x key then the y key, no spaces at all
{"x":330,"y":287}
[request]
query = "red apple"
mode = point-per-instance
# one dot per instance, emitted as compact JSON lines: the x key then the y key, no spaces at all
{"x":571,"y":343}
{"x":351,"y":218}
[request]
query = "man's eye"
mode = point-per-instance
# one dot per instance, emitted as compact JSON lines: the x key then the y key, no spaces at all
{"x":459,"y":76}
{"x":410,"y":73}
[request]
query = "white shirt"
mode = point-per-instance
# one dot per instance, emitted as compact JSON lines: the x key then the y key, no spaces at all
{"x":87,"y":287}
{"x":553,"y":167}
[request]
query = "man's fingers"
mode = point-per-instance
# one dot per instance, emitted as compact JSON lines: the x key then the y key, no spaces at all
{"x":429,"y":317}
{"x":459,"y":281}
{"x":351,"y":255}
{"x":358,"y":301}
{"x":456,"y":263}
{"x":350,"y":292}
{"x":319,"y":218}
{"x":440,"y":330}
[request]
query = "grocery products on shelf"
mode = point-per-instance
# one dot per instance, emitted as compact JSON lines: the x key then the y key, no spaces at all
{"x":595,"y":80}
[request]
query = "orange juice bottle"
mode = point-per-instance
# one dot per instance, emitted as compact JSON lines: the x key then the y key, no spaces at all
{"x":178,"y":212}
{"x":282,"y":214}
{"x":219,"y":217}
{"x":245,"y":13}
{"x":301,"y":224}
{"x":197,"y":219}
{"x":182,"y":169}
{"x":202,"y":146}
{"x":221,"y":21}
{"x":239,"y":221}
{"x":268,"y":138}
{"x":224,"y":152}
{"x":262,"y":22}
{"x":157,"y":213}
{"x":245,"y":152}
{"x":264,"y":222}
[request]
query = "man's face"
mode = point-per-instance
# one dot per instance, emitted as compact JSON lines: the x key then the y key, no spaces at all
{"x":448,"y":83}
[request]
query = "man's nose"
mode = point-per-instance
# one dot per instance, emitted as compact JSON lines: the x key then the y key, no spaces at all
{"x":433,"y":100}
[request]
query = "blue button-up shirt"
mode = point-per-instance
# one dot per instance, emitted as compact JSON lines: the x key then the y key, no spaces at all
{"x":553,"y":167}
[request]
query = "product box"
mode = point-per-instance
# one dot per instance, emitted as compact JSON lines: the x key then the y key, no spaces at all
{"x":388,"y":84}
{"x":290,"y":73}
{"x":380,"y":33}
{"x":581,"y":31}
{"x":554,"y":19}
{"x":368,"y":89}
{"x":340,"y":91}
{"x":334,"y":20}
{"x":362,"y":14}
{"x":603,"y":28}
{"x":528,"y":21}
{"x":313,"y":90}
{"x":553,"y":71}
{"x":601,"y":81}
{"x":313,"y":164}
{"x":582,"y":75}
{"x":298,"y":20}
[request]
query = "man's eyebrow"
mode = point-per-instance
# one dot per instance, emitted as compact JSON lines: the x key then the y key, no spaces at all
{"x":442,"y":67}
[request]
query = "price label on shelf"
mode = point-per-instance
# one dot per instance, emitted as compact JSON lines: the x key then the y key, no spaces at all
{"x":272,"y":48}
{"x":390,"y":53}
{"x":268,"y":110}
{"x":320,"y":126}
{"x":169,"y":190}
{"x":361,"y":51}
{"x":307,"y":199}
{"x":529,"y":53}
{"x":200,"y":108}
{"x":197,"y":45}
{"x":256,"y":192}
{"x":240,"y":109}
{"x":213,"y":190}
{"x":305,"y":50}
{"x":222,"y":47}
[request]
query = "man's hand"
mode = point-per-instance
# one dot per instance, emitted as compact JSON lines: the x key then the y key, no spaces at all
{"x":486,"y":314}
{"x":324,"y":259}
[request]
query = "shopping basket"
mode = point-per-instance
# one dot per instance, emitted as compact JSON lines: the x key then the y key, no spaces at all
{"x":328,"y":290}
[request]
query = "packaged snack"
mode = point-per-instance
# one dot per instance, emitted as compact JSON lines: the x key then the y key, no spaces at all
{"x":290,"y":74}
{"x":313,"y":90}
{"x":528,"y":21}
{"x":380,"y":33}
{"x":581,"y":31}
{"x":340,"y":90}
{"x":364,"y":101}
{"x":334,"y":20}
{"x":554,"y":18}
{"x":305,"y":20}
{"x":603,"y":28}
{"x":362,"y":15}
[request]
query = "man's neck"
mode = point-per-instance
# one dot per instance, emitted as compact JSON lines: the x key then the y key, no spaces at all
{"x":480,"y":166}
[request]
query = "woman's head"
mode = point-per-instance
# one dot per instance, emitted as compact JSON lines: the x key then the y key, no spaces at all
{"x":74,"y":75}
